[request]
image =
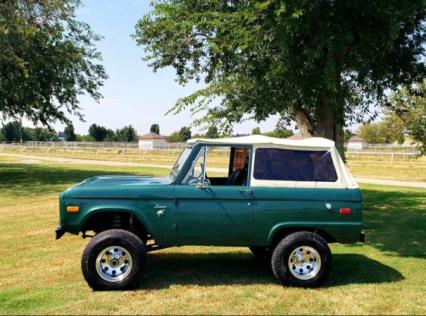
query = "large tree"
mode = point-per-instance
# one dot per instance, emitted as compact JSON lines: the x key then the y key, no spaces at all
{"x":98,"y":132}
{"x":321,"y":63}
{"x":126,"y":134}
{"x":13,"y":131}
{"x":212,"y":132}
{"x":387,"y":131}
{"x":69,"y":134}
{"x":256,"y":131}
{"x":410,"y":106}
{"x":41,"y":134}
{"x":185,"y":133}
{"x":47,"y":60}
{"x":155,"y":128}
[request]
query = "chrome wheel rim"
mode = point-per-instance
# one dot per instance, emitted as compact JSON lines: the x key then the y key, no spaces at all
{"x":114,"y":264}
{"x":304,"y":262}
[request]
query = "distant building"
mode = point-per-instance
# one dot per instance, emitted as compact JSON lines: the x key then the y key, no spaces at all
{"x":356,"y":142}
{"x":152,"y":141}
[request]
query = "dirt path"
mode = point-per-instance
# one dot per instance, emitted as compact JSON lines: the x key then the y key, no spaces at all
{"x":34,"y":158}
{"x":85,"y":161}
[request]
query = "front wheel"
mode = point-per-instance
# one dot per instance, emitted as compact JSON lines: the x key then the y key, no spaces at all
{"x":302,"y":259}
{"x":113,"y":260}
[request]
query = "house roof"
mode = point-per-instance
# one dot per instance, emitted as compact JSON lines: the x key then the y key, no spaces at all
{"x":356,"y":139}
{"x":151,"y":136}
{"x":314,"y":142}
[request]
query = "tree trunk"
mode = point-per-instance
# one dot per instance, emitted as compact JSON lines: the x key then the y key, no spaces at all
{"x":303,"y":122}
{"x":324,"y":125}
{"x":339,"y":140}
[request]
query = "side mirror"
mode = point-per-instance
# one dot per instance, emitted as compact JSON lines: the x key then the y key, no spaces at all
{"x":202,"y":185}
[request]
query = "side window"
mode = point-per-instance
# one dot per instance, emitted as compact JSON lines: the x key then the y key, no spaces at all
{"x":218,"y":161}
{"x":294,"y":165}
{"x":220,"y":165}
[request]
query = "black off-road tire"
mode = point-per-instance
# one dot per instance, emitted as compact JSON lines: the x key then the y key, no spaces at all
{"x":113,"y":237}
{"x":261,"y":253}
{"x":283,"y":250}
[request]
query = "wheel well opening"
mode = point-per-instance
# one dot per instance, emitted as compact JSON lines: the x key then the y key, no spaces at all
{"x":283,"y":232}
{"x":104,"y":220}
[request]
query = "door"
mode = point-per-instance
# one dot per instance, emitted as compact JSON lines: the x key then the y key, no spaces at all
{"x":213,"y":215}
{"x":214,"y":203}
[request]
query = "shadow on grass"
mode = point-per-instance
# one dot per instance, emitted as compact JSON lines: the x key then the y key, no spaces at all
{"x":359,"y":269}
{"x":237,"y":268}
{"x":395,"y":221}
{"x":32,"y":179}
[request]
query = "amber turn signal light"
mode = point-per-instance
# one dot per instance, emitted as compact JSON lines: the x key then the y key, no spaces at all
{"x":73,"y":209}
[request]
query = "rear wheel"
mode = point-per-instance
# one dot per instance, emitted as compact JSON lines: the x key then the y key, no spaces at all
{"x":302,"y":259}
{"x":113,"y":260}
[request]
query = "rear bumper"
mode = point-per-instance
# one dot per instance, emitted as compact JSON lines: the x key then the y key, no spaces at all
{"x":362,"y":237}
{"x":59,"y":232}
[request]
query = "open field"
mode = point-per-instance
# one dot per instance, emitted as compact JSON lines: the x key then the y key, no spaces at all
{"x":402,"y":170}
{"x":41,"y":275}
{"x":375,"y":167}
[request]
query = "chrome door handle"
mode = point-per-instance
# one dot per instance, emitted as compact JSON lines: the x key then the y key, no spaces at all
{"x":249,"y":191}
{"x":161,"y":210}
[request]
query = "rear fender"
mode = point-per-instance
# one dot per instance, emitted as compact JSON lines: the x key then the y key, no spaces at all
{"x":343,"y":232}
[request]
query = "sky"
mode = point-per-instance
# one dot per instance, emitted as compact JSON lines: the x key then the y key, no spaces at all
{"x":134,"y":94}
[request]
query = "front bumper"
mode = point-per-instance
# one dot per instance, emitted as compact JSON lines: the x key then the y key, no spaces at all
{"x":362,"y":237}
{"x":59,"y":231}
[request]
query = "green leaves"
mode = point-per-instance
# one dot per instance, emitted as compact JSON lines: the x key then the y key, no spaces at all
{"x":100,"y":133}
{"x":409,"y":105}
{"x":69,"y":134}
{"x":155,"y":128}
{"x":48,"y":59}
{"x":321,"y":63}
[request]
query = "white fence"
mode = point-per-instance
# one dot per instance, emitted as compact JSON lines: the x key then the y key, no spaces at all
{"x":83,"y":145}
{"x":389,"y":151}
{"x":378,"y":151}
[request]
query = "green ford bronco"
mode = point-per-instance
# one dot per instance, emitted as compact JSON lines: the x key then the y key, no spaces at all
{"x":284,"y":199}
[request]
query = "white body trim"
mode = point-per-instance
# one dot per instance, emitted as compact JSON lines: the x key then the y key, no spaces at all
{"x":313,"y":142}
{"x":344,"y":177}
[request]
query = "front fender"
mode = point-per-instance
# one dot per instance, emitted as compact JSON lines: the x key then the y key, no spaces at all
{"x":75,"y":222}
{"x":140,"y":215}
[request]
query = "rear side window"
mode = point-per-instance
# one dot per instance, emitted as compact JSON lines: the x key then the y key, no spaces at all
{"x":294,"y":165}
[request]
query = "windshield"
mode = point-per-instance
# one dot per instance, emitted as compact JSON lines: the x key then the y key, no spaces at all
{"x":179,"y":163}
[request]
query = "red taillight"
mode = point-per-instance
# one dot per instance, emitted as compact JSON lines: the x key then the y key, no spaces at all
{"x":345,"y":211}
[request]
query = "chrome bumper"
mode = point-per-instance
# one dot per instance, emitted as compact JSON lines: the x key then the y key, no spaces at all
{"x":59,"y":231}
{"x":362,"y":237}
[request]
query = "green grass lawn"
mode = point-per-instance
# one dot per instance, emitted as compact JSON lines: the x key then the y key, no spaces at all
{"x":41,"y":275}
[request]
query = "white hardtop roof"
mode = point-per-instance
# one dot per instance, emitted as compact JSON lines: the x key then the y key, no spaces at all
{"x":314,"y":142}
